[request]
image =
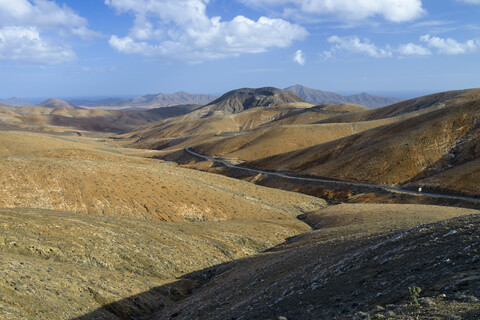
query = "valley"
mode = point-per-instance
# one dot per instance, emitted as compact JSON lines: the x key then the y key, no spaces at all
{"x":254,"y":205}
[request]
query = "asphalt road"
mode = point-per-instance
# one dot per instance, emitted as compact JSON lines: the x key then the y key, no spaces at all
{"x":339,"y":182}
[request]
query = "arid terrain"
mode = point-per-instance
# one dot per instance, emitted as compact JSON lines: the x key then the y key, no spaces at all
{"x":106,"y":215}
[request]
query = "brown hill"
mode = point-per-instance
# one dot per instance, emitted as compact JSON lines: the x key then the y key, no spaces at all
{"x":230,"y":132}
{"x":53,"y":119}
{"x":401,"y":152}
{"x":265,"y":142}
{"x":57,"y":104}
{"x":185,"y":131}
{"x":82,"y":175}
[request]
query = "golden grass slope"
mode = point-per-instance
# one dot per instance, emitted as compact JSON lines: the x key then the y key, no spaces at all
{"x":404,"y":151}
{"x":61,"y":265}
{"x":265,"y":142}
{"x":229,"y":133}
{"x":181,"y":132}
{"x":94,"y":177}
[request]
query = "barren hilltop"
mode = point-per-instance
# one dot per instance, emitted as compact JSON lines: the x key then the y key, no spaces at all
{"x":257,"y":205}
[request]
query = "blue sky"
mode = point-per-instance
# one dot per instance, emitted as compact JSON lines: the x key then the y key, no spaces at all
{"x":134,"y":47}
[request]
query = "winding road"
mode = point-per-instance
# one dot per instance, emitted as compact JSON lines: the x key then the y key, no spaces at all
{"x":339,"y":182}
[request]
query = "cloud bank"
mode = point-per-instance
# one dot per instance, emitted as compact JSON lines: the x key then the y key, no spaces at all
{"x":356,"y":45}
{"x":391,"y":10}
{"x":181,"y":30}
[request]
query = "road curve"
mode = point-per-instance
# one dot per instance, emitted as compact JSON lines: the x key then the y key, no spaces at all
{"x":339,"y":182}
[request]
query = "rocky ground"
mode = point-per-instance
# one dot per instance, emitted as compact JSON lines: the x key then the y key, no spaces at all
{"x":349,"y":278}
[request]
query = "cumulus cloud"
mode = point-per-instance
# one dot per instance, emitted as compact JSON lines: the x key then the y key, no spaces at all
{"x":25,"y":44}
{"x":355,"y":45}
{"x":299,"y":57}
{"x":35,"y":31}
{"x":413,"y":49}
{"x":449,"y":45}
{"x":392,"y":10}
{"x":182,"y":30}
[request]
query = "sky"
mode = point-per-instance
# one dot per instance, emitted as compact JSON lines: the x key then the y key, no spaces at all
{"x":106,"y":48}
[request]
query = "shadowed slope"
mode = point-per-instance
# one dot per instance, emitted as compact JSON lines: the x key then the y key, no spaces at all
{"x":321,"y":276}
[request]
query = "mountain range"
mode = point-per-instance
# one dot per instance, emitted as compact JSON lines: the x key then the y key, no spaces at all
{"x":160,"y":100}
{"x":149,"y":101}
{"x":15,"y":102}
{"x":323,"y":97}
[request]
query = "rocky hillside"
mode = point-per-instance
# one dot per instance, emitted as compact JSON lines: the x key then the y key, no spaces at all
{"x":239,"y":100}
{"x":324,"y":97}
{"x":355,"y":277}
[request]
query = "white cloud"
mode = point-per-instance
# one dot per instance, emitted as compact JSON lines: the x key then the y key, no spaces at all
{"x":299,"y":57}
{"x":355,"y":45}
{"x":471,"y":1}
{"x":25,"y":44}
{"x":181,"y":30}
{"x":44,"y":15}
{"x":413,"y":49}
{"x":449,"y":45}
{"x":392,"y":10}
{"x":36,"y":31}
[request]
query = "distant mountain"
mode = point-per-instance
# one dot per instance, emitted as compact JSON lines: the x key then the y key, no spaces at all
{"x":324,"y":97}
{"x":150,"y":100}
{"x":109,"y":102}
{"x":57,"y":104}
{"x":15,"y":102}
{"x":236,"y":101}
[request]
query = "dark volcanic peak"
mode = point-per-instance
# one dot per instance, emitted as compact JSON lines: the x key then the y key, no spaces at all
{"x":325,"y":97}
{"x":57,"y":104}
{"x":236,"y":101}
